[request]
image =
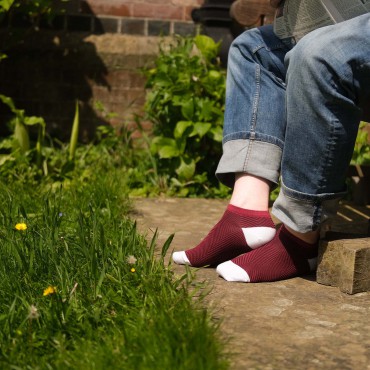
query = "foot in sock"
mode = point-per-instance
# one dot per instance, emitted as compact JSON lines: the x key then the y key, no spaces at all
{"x":239,"y":231}
{"x":285,"y":256}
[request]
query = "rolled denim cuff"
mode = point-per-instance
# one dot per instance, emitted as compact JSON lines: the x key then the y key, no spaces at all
{"x":254,"y":157}
{"x":305,"y":212}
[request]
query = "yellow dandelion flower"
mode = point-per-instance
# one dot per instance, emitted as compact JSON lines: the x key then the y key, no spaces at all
{"x":21,"y":226}
{"x":132,"y":270}
{"x":50,"y":290}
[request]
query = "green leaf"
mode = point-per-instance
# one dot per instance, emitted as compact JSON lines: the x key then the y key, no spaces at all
{"x":9,"y":102}
{"x":6,"y":144}
{"x":181,"y":143}
{"x":206,"y":46}
{"x":187,"y":109}
{"x":31,"y":121}
{"x":159,"y":142}
{"x":181,"y":127}
{"x":214,"y":74}
{"x":166,"y":245}
{"x":5,"y":5}
{"x":5,"y":158}
{"x":206,"y":109}
{"x":74,"y":133}
{"x":216,"y":133}
{"x":21,"y":136}
{"x":200,"y":129}
{"x":186,"y":169}
{"x":162,"y":79}
{"x":166,"y":152}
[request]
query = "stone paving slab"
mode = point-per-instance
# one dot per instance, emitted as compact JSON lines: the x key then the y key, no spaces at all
{"x":345,"y":263}
{"x":290,"y":324}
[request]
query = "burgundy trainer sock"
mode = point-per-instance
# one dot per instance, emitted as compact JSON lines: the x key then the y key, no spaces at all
{"x":283,"y":257}
{"x":239,"y":231}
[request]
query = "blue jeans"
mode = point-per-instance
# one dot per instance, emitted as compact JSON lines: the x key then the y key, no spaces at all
{"x":292,"y":112}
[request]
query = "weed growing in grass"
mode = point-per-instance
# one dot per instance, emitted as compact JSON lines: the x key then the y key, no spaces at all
{"x":81,"y":289}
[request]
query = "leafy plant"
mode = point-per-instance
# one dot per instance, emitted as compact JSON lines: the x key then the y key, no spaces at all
{"x":20,"y":154}
{"x":33,"y":9}
{"x":19,"y":142}
{"x":361,"y":153}
{"x":5,"y":5}
{"x":185,"y":102}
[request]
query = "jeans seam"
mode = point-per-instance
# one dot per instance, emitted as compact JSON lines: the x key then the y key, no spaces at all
{"x":308,"y":198}
{"x":254,"y":114}
{"x":271,"y":48}
{"x":246,"y":135}
{"x":256,"y":98}
{"x":329,"y":159}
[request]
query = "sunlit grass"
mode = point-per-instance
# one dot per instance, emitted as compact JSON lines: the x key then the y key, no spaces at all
{"x":82,"y":289}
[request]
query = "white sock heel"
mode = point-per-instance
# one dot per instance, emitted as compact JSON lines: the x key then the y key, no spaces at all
{"x":232,"y":272}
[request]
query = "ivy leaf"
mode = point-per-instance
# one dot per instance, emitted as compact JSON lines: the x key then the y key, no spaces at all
{"x":206,"y":109}
{"x":181,"y":127}
{"x":186,"y":169}
{"x":187,"y":109}
{"x":200,"y":129}
{"x":168,"y":152}
{"x":159,"y":142}
{"x":207,"y":46}
{"x":216,"y":133}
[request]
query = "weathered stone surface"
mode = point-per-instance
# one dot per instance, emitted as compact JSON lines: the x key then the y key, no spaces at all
{"x":289,"y":324}
{"x":345,"y":263}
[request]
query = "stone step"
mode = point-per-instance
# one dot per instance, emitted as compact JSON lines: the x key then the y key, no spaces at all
{"x":288,"y":324}
{"x":344,"y":262}
{"x":344,"y":252}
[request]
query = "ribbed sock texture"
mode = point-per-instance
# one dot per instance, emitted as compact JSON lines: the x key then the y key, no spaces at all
{"x":285,"y":256}
{"x":226,"y":240}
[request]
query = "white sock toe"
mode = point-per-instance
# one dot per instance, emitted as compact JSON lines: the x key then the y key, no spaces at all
{"x":180,"y":258}
{"x":232,"y":272}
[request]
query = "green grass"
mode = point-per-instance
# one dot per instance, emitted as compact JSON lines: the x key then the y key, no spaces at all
{"x":107,"y":312}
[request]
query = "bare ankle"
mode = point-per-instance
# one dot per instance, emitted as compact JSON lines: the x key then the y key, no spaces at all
{"x":310,"y":237}
{"x":250,"y":192}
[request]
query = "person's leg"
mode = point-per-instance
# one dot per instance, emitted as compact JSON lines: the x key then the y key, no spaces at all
{"x":254,"y":128}
{"x":328,"y":74}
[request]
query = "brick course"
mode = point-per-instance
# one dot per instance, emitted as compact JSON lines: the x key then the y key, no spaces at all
{"x":92,"y":52}
{"x":47,"y":77}
{"x":155,"y":9}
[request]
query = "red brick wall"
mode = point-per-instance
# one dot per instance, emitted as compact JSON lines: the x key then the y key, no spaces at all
{"x":155,"y":9}
{"x":90,"y":53}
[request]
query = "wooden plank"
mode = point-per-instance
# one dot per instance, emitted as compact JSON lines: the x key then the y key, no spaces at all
{"x":251,"y":13}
